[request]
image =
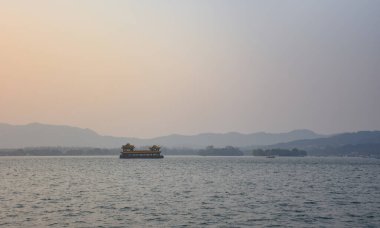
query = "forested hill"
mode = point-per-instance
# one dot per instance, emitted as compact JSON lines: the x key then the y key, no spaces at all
{"x":363,"y":143}
{"x":361,"y":137}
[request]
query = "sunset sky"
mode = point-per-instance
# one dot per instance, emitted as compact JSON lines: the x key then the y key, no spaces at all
{"x":151,"y":68}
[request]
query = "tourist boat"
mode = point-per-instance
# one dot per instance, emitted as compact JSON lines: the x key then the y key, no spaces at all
{"x":129,"y":152}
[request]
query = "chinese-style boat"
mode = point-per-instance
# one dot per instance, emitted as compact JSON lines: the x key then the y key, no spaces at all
{"x":129,"y":152}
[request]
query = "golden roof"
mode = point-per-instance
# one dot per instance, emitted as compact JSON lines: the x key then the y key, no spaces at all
{"x":141,"y":152}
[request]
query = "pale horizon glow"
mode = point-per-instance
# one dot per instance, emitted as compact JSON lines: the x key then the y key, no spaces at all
{"x":153,"y":68}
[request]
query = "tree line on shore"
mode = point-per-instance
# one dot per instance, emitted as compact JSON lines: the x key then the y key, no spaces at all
{"x":58,"y":151}
{"x":279,"y":152}
{"x":361,"y":150}
{"x":226,"y":151}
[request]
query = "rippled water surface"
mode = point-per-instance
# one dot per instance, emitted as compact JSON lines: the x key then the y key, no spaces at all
{"x":189,"y":191}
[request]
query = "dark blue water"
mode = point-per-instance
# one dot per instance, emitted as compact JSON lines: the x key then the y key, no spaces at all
{"x":189,"y":191}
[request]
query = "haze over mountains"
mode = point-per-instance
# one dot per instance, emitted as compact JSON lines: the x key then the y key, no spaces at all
{"x":43,"y":135}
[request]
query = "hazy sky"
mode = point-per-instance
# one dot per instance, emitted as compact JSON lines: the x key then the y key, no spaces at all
{"x":151,"y":68}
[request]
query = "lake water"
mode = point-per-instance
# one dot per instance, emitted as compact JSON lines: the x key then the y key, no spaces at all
{"x":189,"y":191}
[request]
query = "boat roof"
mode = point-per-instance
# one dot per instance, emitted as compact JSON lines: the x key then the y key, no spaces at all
{"x":141,"y":152}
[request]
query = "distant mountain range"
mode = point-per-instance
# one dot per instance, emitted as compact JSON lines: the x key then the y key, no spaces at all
{"x":43,"y":135}
{"x":66,"y":140}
